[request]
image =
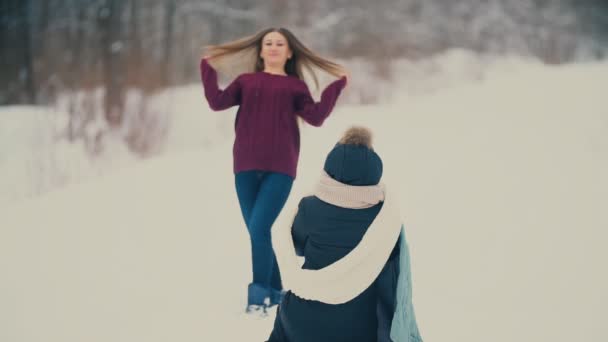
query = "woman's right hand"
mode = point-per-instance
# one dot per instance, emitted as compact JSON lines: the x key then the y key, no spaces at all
{"x":345,"y":74}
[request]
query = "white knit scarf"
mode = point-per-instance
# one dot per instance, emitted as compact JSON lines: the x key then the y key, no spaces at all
{"x":348,"y":277}
{"x":331,"y":191}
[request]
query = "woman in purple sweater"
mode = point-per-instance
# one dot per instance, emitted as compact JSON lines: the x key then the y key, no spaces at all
{"x":267,"y":144}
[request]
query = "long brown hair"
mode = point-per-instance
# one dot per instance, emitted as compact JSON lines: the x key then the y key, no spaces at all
{"x":248,"y":49}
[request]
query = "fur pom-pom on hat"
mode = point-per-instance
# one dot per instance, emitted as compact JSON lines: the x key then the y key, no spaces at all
{"x":357,"y":135}
{"x":353,"y":161}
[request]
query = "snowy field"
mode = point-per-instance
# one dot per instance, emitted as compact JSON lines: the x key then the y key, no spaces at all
{"x":501,"y":168}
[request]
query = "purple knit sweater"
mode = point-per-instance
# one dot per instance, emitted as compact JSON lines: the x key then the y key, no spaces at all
{"x":267,"y":134}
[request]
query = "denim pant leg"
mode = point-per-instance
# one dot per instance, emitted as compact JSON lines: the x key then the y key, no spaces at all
{"x":272,"y":192}
{"x":272,"y":195}
{"x":247,"y":186}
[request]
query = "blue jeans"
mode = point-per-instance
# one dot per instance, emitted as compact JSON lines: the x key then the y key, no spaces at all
{"x":262,"y":195}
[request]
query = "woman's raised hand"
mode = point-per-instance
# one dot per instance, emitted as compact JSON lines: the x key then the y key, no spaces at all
{"x":345,"y":73}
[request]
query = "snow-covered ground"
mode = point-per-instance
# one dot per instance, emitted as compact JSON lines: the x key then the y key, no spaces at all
{"x":502,"y":178}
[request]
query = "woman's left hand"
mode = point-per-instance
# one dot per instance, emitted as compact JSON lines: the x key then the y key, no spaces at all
{"x":345,"y":74}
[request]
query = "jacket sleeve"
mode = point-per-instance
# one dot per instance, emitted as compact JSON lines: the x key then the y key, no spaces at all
{"x":313,"y":112}
{"x":386,"y":285}
{"x":219,"y":99}
{"x":299,"y":230}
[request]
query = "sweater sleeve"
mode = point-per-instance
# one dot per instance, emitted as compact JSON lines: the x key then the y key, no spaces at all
{"x":219,"y":99}
{"x":313,"y":112}
{"x":299,"y":232}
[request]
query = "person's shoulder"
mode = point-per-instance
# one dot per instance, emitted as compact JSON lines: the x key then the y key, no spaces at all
{"x":298,"y":82}
{"x":306,"y":200}
{"x":298,"y":85}
{"x":306,"y":204}
{"x":246,"y":76}
{"x":313,"y":203}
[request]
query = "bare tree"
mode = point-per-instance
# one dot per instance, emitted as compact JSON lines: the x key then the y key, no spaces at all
{"x":16,"y":58}
{"x":170,"y":7}
{"x":109,"y":23}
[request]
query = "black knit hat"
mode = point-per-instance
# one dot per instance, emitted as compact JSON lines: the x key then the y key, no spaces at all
{"x":353,"y":161}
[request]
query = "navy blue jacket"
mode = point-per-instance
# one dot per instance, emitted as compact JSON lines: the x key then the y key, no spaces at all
{"x":324,"y":233}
